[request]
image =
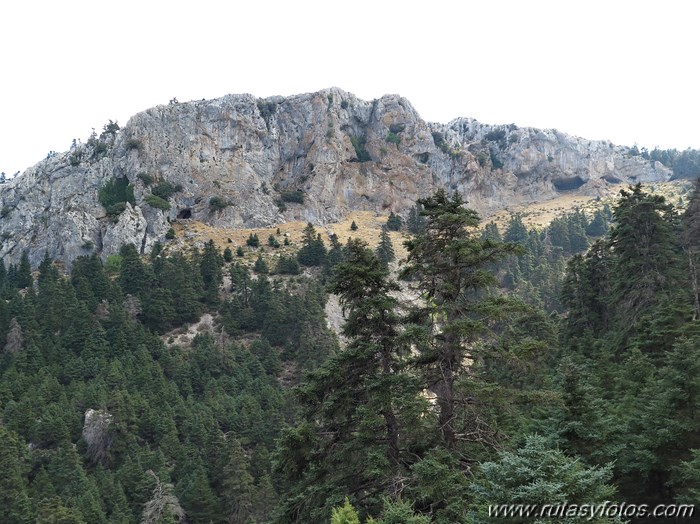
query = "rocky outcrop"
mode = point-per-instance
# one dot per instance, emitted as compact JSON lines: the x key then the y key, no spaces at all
{"x":239,"y":161}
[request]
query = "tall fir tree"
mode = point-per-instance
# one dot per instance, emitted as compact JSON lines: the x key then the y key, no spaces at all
{"x":356,"y":404}
{"x":385,"y":249}
{"x":450,"y":263}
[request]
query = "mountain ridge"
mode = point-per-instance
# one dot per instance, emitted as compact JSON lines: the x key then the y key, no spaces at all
{"x":242,"y":161}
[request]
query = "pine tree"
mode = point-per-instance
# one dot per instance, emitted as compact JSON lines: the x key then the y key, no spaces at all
{"x":313,"y":251}
{"x":210,"y":269}
{"x":416,"y":220}
{"x":287,"y":266}
{"x":599,"y":225}
{"x":450,"y":264}
{"x":345,"y":514}
{"x":133,"y":278}
{"x":356,"y":404}
{"x":253,"y":240}
{"x":52,"y":511}
{"x":491,"y":232}
{"x":385,"y":249}
{"x":646,"y":269}
{"x":197,"y":497}
{"x":516,"y":232}
{"x":237,"y":485}
{"x":16,"y":508}
{"x":335,"y":254}
{"x":537,"y":474}
{"x":260,"y":266}
{"x":394,"y":222}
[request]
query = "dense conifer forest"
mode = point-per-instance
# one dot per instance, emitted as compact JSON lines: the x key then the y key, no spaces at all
{"x":488,"y":367}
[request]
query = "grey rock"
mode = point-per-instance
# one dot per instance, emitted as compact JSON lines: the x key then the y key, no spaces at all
{"x":251,"y":153}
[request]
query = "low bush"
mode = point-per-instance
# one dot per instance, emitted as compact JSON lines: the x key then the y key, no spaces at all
{"x":157,"y":202}
{"x":296,"y":197}
{"x":217,"y":203}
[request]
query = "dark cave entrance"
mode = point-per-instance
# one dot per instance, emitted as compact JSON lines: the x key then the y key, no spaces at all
{"x":185,"y":213}
{"x":568,"y":184}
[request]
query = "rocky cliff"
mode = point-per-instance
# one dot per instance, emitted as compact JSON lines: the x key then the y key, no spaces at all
{"x":246,"y":162}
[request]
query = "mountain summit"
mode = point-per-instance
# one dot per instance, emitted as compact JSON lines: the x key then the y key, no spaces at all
{"x":242,"y":161}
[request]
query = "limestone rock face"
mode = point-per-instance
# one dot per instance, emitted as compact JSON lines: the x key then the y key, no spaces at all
{"x":131,"y":228}
{"x":239,"y":161}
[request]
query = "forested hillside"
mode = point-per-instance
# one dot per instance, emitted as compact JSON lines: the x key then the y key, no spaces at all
{"x":529,"y":366}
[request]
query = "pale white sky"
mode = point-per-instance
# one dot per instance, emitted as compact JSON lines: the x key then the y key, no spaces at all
{"x":625,"y":71}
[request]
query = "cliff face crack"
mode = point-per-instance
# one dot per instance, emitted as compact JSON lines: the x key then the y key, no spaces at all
{"x":143,"y":241}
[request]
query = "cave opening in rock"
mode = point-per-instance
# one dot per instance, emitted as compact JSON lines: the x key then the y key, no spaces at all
{"x":185,"y":213}
{"x":568,"y":183}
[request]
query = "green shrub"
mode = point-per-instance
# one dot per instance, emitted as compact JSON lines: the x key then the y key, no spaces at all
{"x":360,"y":143}
{"x":75,"y":158}
{"x":228,"y":255}
{"x":353,"y":226}
{"x":393,"y":138}
{"x":441,"y":143}
{"x":273,"y":242}
{"x":165,"y":190}
{"x":115,"y":210}
{"x":497,"y":135}
{"x":157,"y":202}
{"x":296,"y":197}
{"x":239,"y":251}
{"x":170,"y":234}
{"x":496,"y":162}
{"x":147,"y":179}
{"x":253,"y":240}
{"x":113,"y":264}
{"x":344,"y":104}
{"x":217,"y":203}
{"x":100,"y":148}
{"x":116,"y":190}
{"x":133,"y":143}
{"x":109,"y":128}
{"x":267,"y":109}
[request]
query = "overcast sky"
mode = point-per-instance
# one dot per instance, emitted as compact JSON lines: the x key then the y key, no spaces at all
{"x":625,"y":71}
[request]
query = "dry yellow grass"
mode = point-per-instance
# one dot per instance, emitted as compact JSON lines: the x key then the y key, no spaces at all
{"x":541,"y":214}
{"x":190,"y":233}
